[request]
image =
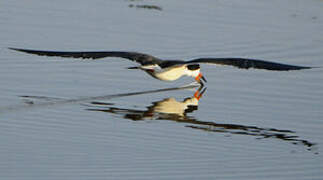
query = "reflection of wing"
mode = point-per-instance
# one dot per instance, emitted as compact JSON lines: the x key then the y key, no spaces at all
{"x":138,"y":57}
{"x":248,"y":63}
{"x":154,"y":113}
{"x":285,"y":135}
{"x":177,"y":111}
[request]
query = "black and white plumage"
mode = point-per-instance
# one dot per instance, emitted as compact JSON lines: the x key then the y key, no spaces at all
{"x":169,"y":70}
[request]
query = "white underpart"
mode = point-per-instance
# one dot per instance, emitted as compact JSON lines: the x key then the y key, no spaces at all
{"x":172,"y":106}
{"x":169,"y":74}
{"x":192,"y":73}
{"x":174,"y":72}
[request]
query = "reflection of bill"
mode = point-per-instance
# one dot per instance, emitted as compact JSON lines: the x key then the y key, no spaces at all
{"x":171,"y":109}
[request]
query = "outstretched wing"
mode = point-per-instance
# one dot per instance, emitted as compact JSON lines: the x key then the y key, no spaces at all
{"x":248,"y":63}
{"x":141,"y":58}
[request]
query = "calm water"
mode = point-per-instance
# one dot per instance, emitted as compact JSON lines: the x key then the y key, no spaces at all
{"x":82,"y":119}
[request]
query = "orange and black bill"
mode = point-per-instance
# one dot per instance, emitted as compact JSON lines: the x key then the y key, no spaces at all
{"x":199,"y":77}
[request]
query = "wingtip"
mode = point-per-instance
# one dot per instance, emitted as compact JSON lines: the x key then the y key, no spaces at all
{"x":307,"y":67}
{"x":16,"y":49}
{"x":316,"y":67}
{"x":11,"y":48}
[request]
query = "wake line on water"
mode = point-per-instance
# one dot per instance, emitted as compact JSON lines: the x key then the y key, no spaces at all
{"x":62,"y":101}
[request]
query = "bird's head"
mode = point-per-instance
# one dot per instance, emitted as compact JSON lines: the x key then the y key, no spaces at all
{"x":194,"y":71}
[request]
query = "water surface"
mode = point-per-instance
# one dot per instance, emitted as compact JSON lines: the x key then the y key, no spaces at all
{"x":82,"y":119}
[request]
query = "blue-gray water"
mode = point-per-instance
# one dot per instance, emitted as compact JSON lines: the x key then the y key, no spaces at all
{"x":82,"y":119}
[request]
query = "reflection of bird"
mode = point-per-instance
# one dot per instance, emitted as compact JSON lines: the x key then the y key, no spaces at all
{"x":168,"y":108}
{"x":169,"y":70}
{"x":177,"y":111}
{"x":180,"y":108}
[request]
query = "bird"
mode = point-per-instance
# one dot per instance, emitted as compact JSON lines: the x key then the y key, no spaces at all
{"x":169,"y":70}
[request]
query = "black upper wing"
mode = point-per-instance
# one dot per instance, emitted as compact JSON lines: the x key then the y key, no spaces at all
{"x":141,"y":58}
{"x":248,"y":63}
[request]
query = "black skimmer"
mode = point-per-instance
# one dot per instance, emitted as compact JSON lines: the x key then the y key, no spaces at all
{"x":169,"y":70}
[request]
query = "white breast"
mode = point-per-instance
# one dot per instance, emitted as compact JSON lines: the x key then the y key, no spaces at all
{"x":170,"y":74}
{"x":172,"y":106}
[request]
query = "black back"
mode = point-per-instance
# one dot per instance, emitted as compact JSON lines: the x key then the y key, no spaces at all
{"x":193,"y":67}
